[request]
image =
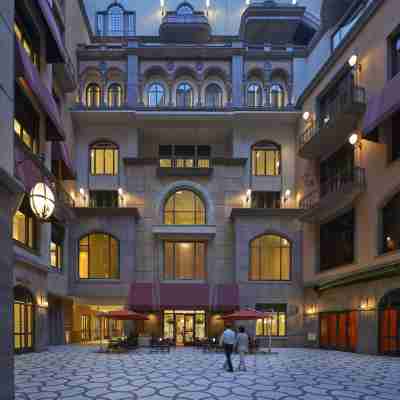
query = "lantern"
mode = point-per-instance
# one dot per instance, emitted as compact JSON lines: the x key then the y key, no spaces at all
{"x":42,"y":201}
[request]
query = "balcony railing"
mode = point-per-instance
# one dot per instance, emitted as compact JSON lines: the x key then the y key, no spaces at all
{"x":63,"y":196}
{"x":336,"y":184}
{"x":185,"y":19}
{"x":182,"y":162}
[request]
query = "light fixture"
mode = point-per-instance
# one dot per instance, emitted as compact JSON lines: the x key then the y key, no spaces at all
{"x":42,"y":201}
{"x":248,"y":2}
{"x":120,"y":191}
{"x":162,"y":7}
{"x":82,"y":191}
{"x":248,"y":195}
{"x":287,"y":193}
{"x":353,"y":60}
{"x":306,"y":115}
{"x":208,"y":4}
{"x":353,"y":139}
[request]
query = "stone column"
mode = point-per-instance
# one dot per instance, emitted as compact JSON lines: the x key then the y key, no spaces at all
{"x":237,"y":80}
{"x":132,"y":72}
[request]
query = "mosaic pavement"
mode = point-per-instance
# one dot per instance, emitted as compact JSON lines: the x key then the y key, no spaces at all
{"x":79,"y":373}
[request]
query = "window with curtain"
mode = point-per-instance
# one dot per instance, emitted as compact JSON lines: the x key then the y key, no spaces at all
{"x":254,"y":95}
{"x":266,"y":159}
{"x":391,"y":225}
{"x":25,"y":226}
{"x":270,"y":259}
{"x":93,"y":95}
{"x":156,"y":95}
{"x":184,"y":95}
{"x":23,"y":320}
{"x":275,"y":326}
{"x":56,"y":246}
{"x":104,"y":159}
{"x":98,"y":257}
{"x":184,"y":207}
{"x":184,"y":260}
{"x":115,"y":95}
{"x":213,"y":96}
{"x":276,"y":96}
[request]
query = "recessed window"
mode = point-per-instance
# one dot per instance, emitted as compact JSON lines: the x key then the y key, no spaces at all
{"x":254,"y":95}
{"x":115,"y":95}
{"x":103,"y":198}
{"x":93,"y":95}
{"x":156,"y":95}
{"x":266,"y":159}
{"x":391,"y":225}
{"x":98,"y":257}
{"x":184,"y":260}
{"x":395,"y":55}
{"x":184,"y":95}
{"x":394,"y":138}
{"x":25,"y":226}
{"x":276,"y":96}
{"x":270,"y":258}
{"x":56,"y":247}
{"x":265,"y":199}
{"x":184,"y":156}
{"x":275,"y":326}
{"x":214,"y":96}
{"x":104,"y":159}
{"x":184,"y":207}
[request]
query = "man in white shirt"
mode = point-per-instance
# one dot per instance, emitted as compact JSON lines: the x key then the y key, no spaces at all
{"x":228,"y":340}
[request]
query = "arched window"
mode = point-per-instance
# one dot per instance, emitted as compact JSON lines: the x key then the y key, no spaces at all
{"x":184,"y":95}
{"x":23,"y":320}
{"x":184,"y":207}
{"x":116,"y":21}
{"x":276,"y":96}
{"x":156,"y":95}
{"x":254,"y":95}
{"x":391,"y":225}
{"x":98,"y":257}
{"x":269,"y":259}
{"x":213,"y":96}
{"x":266,"y":159}
{"x":115,"y":95}
{"x":93,"y":95}
{"x":184,"y":9}
{"x":104,"y":159}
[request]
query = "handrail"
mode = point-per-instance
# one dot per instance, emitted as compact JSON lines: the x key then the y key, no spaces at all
{"x":335,"y":184}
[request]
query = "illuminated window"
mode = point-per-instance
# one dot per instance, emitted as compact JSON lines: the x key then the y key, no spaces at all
{"x":56,"y":246}
{"x":184,"y":260}
{"x":254,"y":95}
{"x":104,"y":159}
{"x":184,"y":207}
{"x":184,"y":156}
{"x":269,"y":259}
{"x":275,"y":326}
{"x":93,"y":95}
{"x":276,"y":96}
{"x":23,"y":320}
{"x":25,"y":34}
{"x":115,"y":95}
{"x":85,"y":328}
{"x":98,"y":257}
{"x":115,"y":20}
{"x":266,"y":159}
{"x":184,"y":95}
{"x":25,"y":226}
{"x":213,"y":96}
{"x":156,"y":95}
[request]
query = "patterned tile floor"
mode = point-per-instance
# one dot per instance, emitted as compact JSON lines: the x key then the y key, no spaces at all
{"x":80,"y":373}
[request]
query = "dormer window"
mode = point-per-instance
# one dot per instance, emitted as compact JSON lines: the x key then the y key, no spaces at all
{"x":184,"y":9}
{"x":115,"y":21}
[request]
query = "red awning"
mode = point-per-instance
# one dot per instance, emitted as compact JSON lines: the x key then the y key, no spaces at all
{"x":141,"y":296}
{"x":59,"y":152}
{"x":26,"y":170}
{"x":382,"y":106}
{"x":26,"y":70}
{"x":186,"y":296}
{"x":226,"y":297}
{"x":246,"y":315}
{"x":55,"y":47}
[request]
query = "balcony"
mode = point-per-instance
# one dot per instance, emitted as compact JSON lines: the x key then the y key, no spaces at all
{"x":335,"y":126}
{"x":184,"y":167}
{"x":333,"y":195}
{"x":189,"y":28}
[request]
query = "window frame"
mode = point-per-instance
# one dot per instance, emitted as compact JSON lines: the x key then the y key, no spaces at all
{"x":24,"y":302}
{"x":280,"y":93}
{"x":251,"y":94}
{"x":266,"y":147}
{"x":220,"y":95}
{"x":389,"y":208}
{"x":31,"y":227}
{"x":278,"y":313}
{"x":94,"y":203}
{"x":150,"y":91}
{"x":115,"y":91}
{"x":102,"y":146}
{"x":93,"y":92}
{"x":57,"y":239}
{"x":185,"y":95}
{"x":110,"y":238}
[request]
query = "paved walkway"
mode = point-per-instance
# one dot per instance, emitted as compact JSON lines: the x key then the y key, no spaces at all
{"x":79,"y":373}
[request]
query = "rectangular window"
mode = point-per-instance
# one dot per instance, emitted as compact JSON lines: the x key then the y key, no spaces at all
{"x":266,"y":200}
{"x":184,"y":156}
{"x":56,"y":246}
{"x":274,"y":326}
{"x":394,"y":139}
{"x":395,"y":54}
{"x":103,"y":199}
{"x":184,"y":260}
{"x":265,"y":162}
{"x":24,"y":229}
{"x":104,"y":160}
{"x":337,"y":242}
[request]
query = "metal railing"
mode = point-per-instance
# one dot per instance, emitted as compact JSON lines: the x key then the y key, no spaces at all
{"x":63,"y":196}
{"x":185,"y":162}
{"x":354,"y":176}
{"x":185,"y":19}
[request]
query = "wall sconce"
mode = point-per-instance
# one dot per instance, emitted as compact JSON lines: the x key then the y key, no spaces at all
{"x":353,"y":60}
{"x":367,"y":304}
{"x":248,"y":2}
{"x":162,"y":7}
{"x":312,"y":309}
{"x":355,"y":140}
{"x":306,"y":116}
{"x":248,"y":195}
{"x":42,"y":301}
{"x":286,"y":196}
{"x":208,"y":5}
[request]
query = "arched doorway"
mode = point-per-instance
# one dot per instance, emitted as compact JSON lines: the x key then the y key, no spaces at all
{"x":23,"y":320}
{"x":389,"y":323}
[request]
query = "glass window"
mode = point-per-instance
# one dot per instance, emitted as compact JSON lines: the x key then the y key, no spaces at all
{"x":98,"y":257}
{"x":266,"y":160}
{"x":254,"y":95}
{"x":23,"y":320}
{"x":156,"y":95}
{"x":104,"y":198}
{"x":265,"y":199}
{"x":25,"y":227}
{"x":184,"y":260}
{"x":396,"y":55}
{"x":184,"y":156}
{"x":93,"y":95}
{"x":104,"y":159}
{"x":213,"y":96}
{"x":56,"y":246}
{"x":115,"y":21}
{"x":276,"y":96}
{"x":391,"y":225}
{"x":270,"y":259}
{"x":275,"y":326}
{"x":184,"y":207}
{"x":184,"y":95}
{"x":184,"y":9}
{"x":115,"y":95}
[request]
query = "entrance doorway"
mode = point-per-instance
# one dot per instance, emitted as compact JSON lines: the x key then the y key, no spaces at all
{"x":389,"y":323}
{"x":184,"y":327}
{"x":23,"y":320}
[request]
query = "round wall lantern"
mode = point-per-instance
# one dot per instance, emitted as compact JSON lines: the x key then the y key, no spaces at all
{"x":42,"y":201}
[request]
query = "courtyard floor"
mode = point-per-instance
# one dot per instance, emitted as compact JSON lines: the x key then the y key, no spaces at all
{"x":79,"y":373}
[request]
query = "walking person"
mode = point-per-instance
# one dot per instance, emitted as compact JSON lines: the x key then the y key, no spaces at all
{"x":228,"y":340}
{"x":242,"y":343}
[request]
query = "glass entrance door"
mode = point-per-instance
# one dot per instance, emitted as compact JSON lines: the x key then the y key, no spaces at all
{"x":189,"y":329}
